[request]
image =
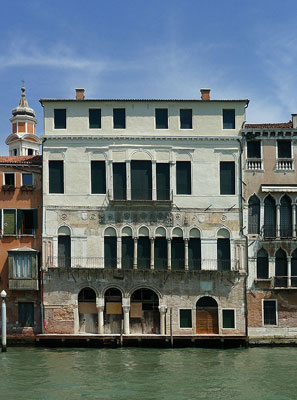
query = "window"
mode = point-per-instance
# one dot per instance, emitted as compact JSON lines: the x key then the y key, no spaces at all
{"x":110,"y":252}
{"x":163,"y":181}
{"x":254,"y":215}
{"x":194,"y":253}
{"x":22,"y":266}
{"x":127,"y":252}
{"x":26,"y":222}
{"x":177,"y":253}
{"x":229,"y":119}
{"x":281,"y":268}
{"x":185,"y":119}
{"x":294,"y":268}
{"x":227,"y":177}
{"x":254,"y":149}
{"x":27,"y":179}
{"x":269,"y":311}
{"x":98,"y":177}
{"x":95,"y":118}
{"x":141,"y":180}
{"x":26,"y":314}
{"x":119,"y":181}
{"x":56,"y":176}
{"x":228,"y":319}
{"x":262,"y":264}
{"x":185,"y":318}
{"x":285,"y":217}
{"x":143,"y":252}
{"x":284,"y":149}
{"x":9,"y":179}
{"x":9,"y":222}
{"x":269,"y":217}
{"x":30,"y":152}
{"x":119,"y":118}
{"x":60,"y":118}
{"x":161,"y":115}
{"x":160,"y":253}
{"x":64,"y":247}
{"x":223,"y":254}
{"x":183,"y":177}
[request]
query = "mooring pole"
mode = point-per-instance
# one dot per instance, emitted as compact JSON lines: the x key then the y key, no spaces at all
{"x":171,"y":333}
{"x":3,"y":320}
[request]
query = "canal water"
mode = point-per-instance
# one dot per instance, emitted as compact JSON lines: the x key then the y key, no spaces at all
{"x":148,"y":374}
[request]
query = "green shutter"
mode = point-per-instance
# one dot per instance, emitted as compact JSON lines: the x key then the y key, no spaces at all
{"x":183,"y":177}
{"x":98,"y":177}
{"x":19,"y":221}
{"x":185,"y":318}
{"x":227,"y":177}
{"x":119,"y":181}
{"x":163,"y":181}
{"x":9,"y":222}
{"x":56,"y":177}
{"x":64,"y":251}
{"x":141,"y":180}
{"x":228,"y":319}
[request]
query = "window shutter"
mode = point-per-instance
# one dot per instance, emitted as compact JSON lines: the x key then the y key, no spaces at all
{"x":19,"y":221}
{"x":177,"y":253}
{"x":9,"y":222}
{"x":141,"y":180}
{"x":98,"y":177}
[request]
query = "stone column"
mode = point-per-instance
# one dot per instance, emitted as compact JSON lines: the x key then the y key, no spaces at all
{"x":152,"y":264}
{"x":186,"y":243}
{"x":294,"y":220}
{"x":135,"y":254}
{"x":119,"y":252}
{"x":262,"y":218}
{"x":162,"y":309}
{"x":100,"y":310}
{"x":278,"y":220}
{"x":126,"y":311}
{"x":289,"y":258}
{"x":271,"y":264}
{"x":128,"y":172}
{"x":154,"y":180}
{"x":110,"y":179}
{"x":169,"y":253}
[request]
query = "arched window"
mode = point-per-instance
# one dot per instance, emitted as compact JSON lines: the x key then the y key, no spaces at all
{"x":160,"y":243}
{"x":285,"y":217}
{"x":254,"y":215}
{"x":127,"y":248}
{"x":177,"y":250}
{"x":64,"y":247}
{"x":194,"y":249}
{"x":110,"y":248}
{"x":269,"y":217}
{"x":223,"y":250}
{"x":281,"y":268}
{"x":294,"y":268}
{"x":262,"y":264}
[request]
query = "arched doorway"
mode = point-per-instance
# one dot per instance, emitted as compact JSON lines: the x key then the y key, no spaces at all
{"x":207,"y":316}
{"x":87,"y":311}
{"x":144,"y":312}
{"x":112,"y":311}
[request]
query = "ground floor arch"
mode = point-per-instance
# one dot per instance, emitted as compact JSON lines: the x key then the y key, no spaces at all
{"x":113,"y":314}
{"x":144,"y":312}
{"x":87,"y":311}
{"x":207,"y":321}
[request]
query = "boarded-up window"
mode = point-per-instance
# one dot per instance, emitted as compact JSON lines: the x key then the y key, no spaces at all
{"x":119,"y":181}
{"x":56,"y":176}
{"x":143,"y":253}
{"x":60,"y":118}
{"x":160,"y":253}
{"x":163,"y":181}
{"x":110,"y":252}
{"x":186,"y":119}
{"x":185,"y":318}
{"x":119,"y":118}
{"x":269,"y":217}
{"x":254,"y":215}
{"x":223,"y":254}
{"x":98,"y":177}
{"x":9,"y":222}
{"x":26,"y":314}
{"x":229,"y":119}
{"x":95,"y":118}
{"x":141,"y":180}
{"x":183,"y":177}
{"x":269,"y":310}
{"x":227,"y":177}
{"x":161,"y":118}
{"x":228,"y":319}
{"x":262,"y":264}
{"x":127,"y":252}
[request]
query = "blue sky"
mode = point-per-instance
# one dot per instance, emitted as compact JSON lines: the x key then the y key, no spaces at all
{"x":149,"y":49}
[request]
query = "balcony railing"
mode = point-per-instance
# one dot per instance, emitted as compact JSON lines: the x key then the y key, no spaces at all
{"x":284,"y":164}
{"x":163,"y":195}
{"x":284,"y":282}
{"x":254,"y":164}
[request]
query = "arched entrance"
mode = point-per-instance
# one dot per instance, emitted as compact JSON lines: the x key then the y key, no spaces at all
{"x":112,"y":311}
{"x":144,"y":312}
{"x":87,"y":310}
{"x":207,"y":316}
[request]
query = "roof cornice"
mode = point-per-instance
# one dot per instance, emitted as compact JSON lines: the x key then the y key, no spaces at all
{"x":141,"y":138}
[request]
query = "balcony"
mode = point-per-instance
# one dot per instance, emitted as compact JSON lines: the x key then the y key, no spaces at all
{"x":160,"y":197}
{"x":23,"y":284}
{"x":284,"y":164}
{"x":284,"y":282}
{"x":254,"y":164}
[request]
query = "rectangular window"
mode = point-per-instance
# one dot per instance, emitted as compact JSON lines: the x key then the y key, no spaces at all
{"x":143,"y":252}
{"x":94,"y":118}
{"x":27,"y":179}
{"x":254,"y":149}
{"x":141,"y":180}
{"x":185,"y":119}
{"x":119,"y":118}
{"x":98,"y":177}
{"x":229,"y":119}
{"x":22,"y":266}
{"x":9,"y":222}
{"x":60,"y":118}
{"x":9,"y":179}
{"x":223,"y":254}
{"x":163,"y":181}
{"x":183,"y":177}
{"x":161,"y":115}
{"x":284,"y":149}
{"x":227,"y":177}
{"x":228,"y":319}
{"x":119,"y":181}
{"x":26,"y":221}
{"x":160,"y":245}
{"x":26,"y":314}
{"x":185,"y":318}
{"x":56,"y":176}
{"x":177,"y":253}
{"x":269,"y":311}
{"x":110,"y":252}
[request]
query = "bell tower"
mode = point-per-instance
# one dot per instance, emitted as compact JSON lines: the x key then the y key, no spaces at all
{"x":23,"y":140}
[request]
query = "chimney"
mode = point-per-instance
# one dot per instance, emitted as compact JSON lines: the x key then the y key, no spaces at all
{"x":294,"y":120}
{"x":205,"y":94}
{"x":80,"y":94}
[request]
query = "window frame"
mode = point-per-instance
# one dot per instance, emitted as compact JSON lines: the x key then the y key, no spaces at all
{"x":235,"y":177}
{"x":234,"y":317}
{"x":95,"y":108}
{"x":228,"y":109}
{"x":106,"y":178}
{"x":276,"y":312}
{"x":292,"y":149}
{"x":191,"y":178}
{"x":261,"y":149}
{"x":27,"y":173}
{"x":4,"y":178}
{"x":161,"y":108}
{"x":48,"y":183}
{"x":113,"y":117}
{"x":179,"y":318}
{"x":54,"y":125}
{"x":14,"y":267}
{"x":185,"y":109}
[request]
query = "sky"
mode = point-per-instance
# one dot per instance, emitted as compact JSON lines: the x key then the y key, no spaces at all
{"x":149,"y":49}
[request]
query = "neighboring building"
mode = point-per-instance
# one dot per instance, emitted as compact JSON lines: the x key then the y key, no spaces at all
{"x":270,"y":191}
{"x":141,"y":217}
{"x":20,"y":224}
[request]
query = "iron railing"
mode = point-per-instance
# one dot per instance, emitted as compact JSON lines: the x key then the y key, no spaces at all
{"x":142,"y":195}
{"x":284,"y":281}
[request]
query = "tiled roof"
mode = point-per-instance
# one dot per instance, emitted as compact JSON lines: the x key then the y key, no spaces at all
{"x":281,"y":125}
{"x":32,"y":160}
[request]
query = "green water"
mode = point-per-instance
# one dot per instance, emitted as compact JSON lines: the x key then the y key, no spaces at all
{"x":148,"y":374}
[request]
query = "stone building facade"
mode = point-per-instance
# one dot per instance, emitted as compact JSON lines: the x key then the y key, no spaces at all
{"x":142,"y":216}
